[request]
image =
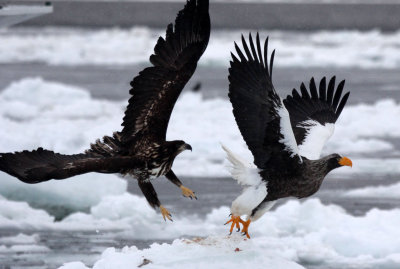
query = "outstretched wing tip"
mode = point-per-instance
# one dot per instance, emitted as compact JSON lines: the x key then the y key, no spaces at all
{"x":256,"y":105}
{"x":156,"y":88}
{"x":254,"y":53}
{"x":321,"y":106}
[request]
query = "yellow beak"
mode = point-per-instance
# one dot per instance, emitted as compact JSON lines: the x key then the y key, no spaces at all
{"x":345,"y":162}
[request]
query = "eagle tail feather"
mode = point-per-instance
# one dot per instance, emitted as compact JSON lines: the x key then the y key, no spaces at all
{"x":245,"y":173}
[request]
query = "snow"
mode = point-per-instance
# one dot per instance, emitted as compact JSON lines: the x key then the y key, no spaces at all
{"x":307,"y":232}
{"x":387,"y":192}
{"x":62,"y":118}
{"x":212,"y":252}
{"x":65,"y":46}
{"x":20,"y":215}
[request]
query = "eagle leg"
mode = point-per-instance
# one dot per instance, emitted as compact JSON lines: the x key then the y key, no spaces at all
{"x":245,"y":230}
{"x":236,"y":220}
{"x":165,"y":213}
{"x":186,"y":192}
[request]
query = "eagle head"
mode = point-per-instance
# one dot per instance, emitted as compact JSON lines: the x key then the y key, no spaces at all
{"x":336,"y":161}
{"x":179,"y":146}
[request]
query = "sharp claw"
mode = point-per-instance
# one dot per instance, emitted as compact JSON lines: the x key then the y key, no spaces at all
{"x":165,"y":214}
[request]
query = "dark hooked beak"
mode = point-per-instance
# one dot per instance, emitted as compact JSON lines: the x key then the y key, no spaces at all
{"x":189,"y":147}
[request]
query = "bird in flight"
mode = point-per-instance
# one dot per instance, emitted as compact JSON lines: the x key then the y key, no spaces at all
{"x":286,"y":137}
{"x":140,"y":149}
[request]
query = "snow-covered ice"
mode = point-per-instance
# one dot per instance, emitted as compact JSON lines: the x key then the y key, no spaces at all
{"x":306,"y":232}
{"x":64,"y":46}
{"x":389,"y":191}
{"x":212,"y":252}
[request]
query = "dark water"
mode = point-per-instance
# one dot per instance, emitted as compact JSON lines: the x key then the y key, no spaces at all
{"x":112,"y":83}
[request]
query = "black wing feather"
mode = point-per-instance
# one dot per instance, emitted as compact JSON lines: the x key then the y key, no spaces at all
{"x":255,"y":103}
{"x":325,"y":108}
{"x":322,"y":89}
{"x":42,"y":165}
{"x":156,"y":89}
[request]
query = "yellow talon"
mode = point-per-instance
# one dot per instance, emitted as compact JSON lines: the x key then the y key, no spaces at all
{"x":165,"y":213}
{"x":188,"y":192}
{"x":245,"y":229}
{"x":235,"y":222}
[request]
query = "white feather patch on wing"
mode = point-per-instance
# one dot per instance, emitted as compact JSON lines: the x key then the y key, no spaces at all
{"x":250,"y":198}
{"x":315,"y":139}
{"x":245,"y":173}
{"x":286,"y":130}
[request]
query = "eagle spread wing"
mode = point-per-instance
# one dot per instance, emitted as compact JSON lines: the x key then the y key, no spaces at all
{"x":42,"y":165}
{"x":156,"y":89}
{"x":313,"y":114}
{"x":259,"y":112}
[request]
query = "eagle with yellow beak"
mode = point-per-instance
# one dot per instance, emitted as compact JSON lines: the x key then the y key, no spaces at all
{"x":286,"y":137}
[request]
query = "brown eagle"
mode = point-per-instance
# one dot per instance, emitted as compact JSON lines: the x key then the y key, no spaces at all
{"x":286,"y":137}
{"x":140,"y":149}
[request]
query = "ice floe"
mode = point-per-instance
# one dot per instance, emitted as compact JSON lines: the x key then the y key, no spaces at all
{"x":306,"y":232}
{"x":65,"y":46}
{"x":386,"y":192}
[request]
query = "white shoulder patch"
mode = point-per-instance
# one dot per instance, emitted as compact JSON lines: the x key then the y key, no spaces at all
{"x":286,"y":130}
{"x":315,"y":139}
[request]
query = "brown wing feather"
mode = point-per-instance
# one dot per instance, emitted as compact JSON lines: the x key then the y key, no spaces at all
{"x":42,"y":165}
{"x":156,"y":89}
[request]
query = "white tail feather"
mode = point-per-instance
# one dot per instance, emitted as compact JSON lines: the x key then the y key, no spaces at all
{"x":244,"y":172}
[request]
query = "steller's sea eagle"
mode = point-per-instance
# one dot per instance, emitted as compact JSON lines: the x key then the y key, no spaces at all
{"x":286,"y":137}
{"x":140,"y":149}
